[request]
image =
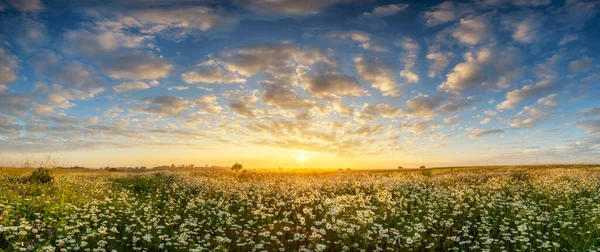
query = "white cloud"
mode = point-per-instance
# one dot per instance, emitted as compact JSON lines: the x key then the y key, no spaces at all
{"x":288,"y":7}
{"x":526,"y":92}
{"x":485,"y":67}
{"x":386,"y":10}
{"x":27,"y":5}
{"x":42,"y":110}
{"x":482,"y":133}
{"x":363,"y":38}
{"x":162,"y":105}
{"x":423,"y":105}
{"x":210,"y":72}
{"x":485,"y":121}
{"x":208,"y":105}
{"x":100,"y":42}
{"x":590,"y":126}
{"x":527,"y":29}
{"x":8,"y":65}
{"x":446,"y":12}
{"x":439,"y":61}
{"x":581,"y":65}
{"x":378,"y":72}
{"x":137,"y":65}
{"x":130,"y":86}
{"x":327,"y":85}
{"x":380,"y":110}
{"x":411,"y":48}
{"x":472,"y":30}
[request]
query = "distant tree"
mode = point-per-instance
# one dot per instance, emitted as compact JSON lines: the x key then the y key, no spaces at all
{"x":172,"y":165}
{"x":422,"y":167}
{"x":236,"y":167}
{"x":400,"y":167}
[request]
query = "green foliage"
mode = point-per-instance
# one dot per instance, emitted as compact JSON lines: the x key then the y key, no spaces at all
{"x":39,"y":176}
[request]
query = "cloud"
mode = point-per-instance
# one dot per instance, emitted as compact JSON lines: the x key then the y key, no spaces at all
{"x":386,"y":10}
{"x":483,"y":68}
{"x":242,"y":109}
{"x":527,"y":29}
{"x":282,"y":95}
{"x":445,"y":12}
{"x":137,"y":65}
{"x":419,"y":127}
{"x":73,"y":74}
{"x":288,"y":7}
{"x":363,"y":38}
{"x":329,"y":85}
{"x":550,"y":100}
{"x":423,"y":105}
{"x":14,"y":103}
{"x":472,"y":30}
{"x":380,"y":110}
{"x":378,"y":72}
{"x":439,"y":61}
{"x":581,"y":65}
{"x":130,"y":86}
{"x":485,"y":121}
{"x":162,"y":105}
{"x":593,"y":111}
{"x":42,"y":110}
{"x":208,"y":105}
{"x":27,"y":5}
{"x":242,"y":103}
{"x":452,"y":120}
{"x":482,"y":133}
{"x":590,"y":126}
{"x":172,"y":22}
{"x":8,"y":65}
{"x":526,"y":92}
{"x":456,"y":104}
{"x":100,"y":42}
{"x":411,"y":48}
{"x":210,"y":72}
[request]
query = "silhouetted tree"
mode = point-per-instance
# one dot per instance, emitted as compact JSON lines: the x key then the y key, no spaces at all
{"x":422,"y":167}
{"x":236,"y":167}
{"x":400,"y":167}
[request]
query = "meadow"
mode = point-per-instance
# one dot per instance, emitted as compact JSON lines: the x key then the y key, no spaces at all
{"x":540,"y":208}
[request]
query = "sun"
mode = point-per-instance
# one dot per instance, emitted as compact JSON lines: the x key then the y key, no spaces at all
{"x":301,"y":158}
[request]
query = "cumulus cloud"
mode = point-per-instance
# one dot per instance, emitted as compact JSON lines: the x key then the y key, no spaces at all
{"x":423,"y":105}
{"x":590,"y":126}
{"x":411,"y":48}
{"x":363,"y":38}
{"x":526,"y":92}
{"x":289,"y":7}
{"x":8,"y":65}
{"x":485,"y":67}
{"x":242,"y":104}
{"x":172,"y":21}
{"x":99,"y":42}
{"x":386,"y":10}
{"x":581,"y":65}
{"x":482,"y":133}
{"x":525,"y":30}
{"x":446,"y":12}
{"x":210,"y":72}
{"x":27,"y":5}
{"x":438,"y":61}
{"x":137,"y":65}
{"x":208,"y":105}
{"x":452,"y":120}
{"x":162,"y":105}
{"x":378,"y":72}
{"x":14,"y":103}
{"x":328,"y":85}
{"x":593,"y":111}
{"x":380,"y":110}
{"x":456,"y":104}
{"x":472,"y":30}
{"x":420,"y":127}
{"x":130,"y":86}
{"x":42,"y":110}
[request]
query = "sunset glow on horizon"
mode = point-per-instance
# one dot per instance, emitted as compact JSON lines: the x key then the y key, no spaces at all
{"x":300,"y":84}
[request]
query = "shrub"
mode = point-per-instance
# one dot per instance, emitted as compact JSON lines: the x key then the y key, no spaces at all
{"x":40,"y":176}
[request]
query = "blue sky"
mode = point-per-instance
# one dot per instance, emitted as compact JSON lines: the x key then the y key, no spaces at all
{"x":345,"y":83}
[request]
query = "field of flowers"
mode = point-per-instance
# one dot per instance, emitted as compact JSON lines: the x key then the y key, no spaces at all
{"x":508,"y":209}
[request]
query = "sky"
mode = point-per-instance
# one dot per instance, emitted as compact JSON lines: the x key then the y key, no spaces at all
{"x":314,"y":83}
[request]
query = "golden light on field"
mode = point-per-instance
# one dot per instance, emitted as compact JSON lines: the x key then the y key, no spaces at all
{"x":301,"y":158}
